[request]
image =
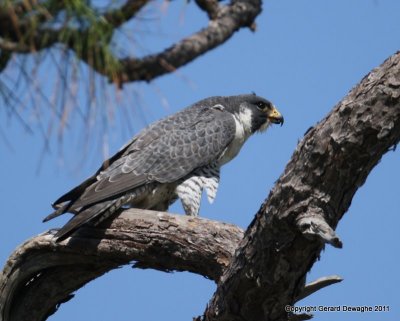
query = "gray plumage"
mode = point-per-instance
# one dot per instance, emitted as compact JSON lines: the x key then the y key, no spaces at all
{"x":176,"y":157}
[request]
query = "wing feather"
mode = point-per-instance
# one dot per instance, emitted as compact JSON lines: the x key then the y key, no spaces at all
{"x":165,"y":152}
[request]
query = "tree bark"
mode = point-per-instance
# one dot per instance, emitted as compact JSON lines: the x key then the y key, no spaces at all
{"x":41,"y":274}
{"x":289,"y":231}
{"x":282,"y":243}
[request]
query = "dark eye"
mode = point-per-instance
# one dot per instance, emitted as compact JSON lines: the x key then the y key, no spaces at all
{"x":261,"y":105}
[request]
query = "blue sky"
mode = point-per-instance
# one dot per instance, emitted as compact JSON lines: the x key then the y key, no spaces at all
{"x":305,"y":56}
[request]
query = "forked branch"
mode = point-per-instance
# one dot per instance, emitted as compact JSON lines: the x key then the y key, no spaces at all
{"x":267,"y":271}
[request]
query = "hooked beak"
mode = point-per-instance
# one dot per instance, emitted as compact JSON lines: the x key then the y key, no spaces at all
{"x":275,"y":116}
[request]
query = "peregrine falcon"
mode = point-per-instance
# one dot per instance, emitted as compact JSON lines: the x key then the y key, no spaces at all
{"x":176,"y":157}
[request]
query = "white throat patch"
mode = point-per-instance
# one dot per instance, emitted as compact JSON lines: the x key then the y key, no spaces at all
{"x":244,"y":118}
{"x":242,"y":132}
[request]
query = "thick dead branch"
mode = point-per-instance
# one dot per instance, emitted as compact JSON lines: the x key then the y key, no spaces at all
{"x":328,"y":166}
{"x":286,"y":237}
{"x":41,"y":273}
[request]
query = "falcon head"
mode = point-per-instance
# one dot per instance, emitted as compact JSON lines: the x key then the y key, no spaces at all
{"x":253,"y":112}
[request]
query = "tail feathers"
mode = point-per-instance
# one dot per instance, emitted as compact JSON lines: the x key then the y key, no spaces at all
{"x":59,"y":211}
{"x":94,"y":214}
{"x":88,"y":215}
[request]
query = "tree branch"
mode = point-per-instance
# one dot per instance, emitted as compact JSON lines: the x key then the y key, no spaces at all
{"x":282,"y":243}
{"x":210,"y":7}
{"x":41,"y":273}
{"x":127,"y":11}
{"x":317,"y":285}
{"x":289,"y":231}
{"x":81,"y":29}
{"x":225,"y":20}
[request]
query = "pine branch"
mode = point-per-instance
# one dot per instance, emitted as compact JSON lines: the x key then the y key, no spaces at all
{"x":117,"y":17}
{"x":27,"y":35}
{"x":228,"y":19}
